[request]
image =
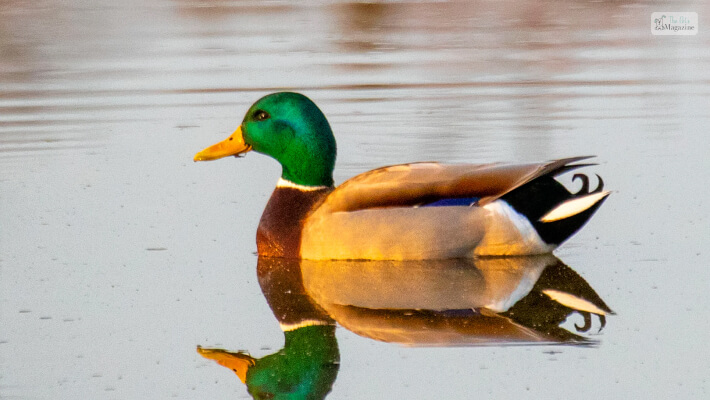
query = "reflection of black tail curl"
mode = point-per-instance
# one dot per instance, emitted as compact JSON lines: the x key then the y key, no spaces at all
{"x":588,"y":322}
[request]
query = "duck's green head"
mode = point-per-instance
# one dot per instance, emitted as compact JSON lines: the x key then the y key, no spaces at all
{"x":290,"y":128}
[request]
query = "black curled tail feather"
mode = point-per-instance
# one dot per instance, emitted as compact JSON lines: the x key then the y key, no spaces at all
{"x":538,"y":197}
{"x":585,"y":184}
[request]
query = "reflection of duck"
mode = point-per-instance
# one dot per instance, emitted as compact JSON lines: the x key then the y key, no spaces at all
{"x":455,"y":302}
{"x":410,"y":211}
{"x":307,"y":365}
{"x":419,"y":303}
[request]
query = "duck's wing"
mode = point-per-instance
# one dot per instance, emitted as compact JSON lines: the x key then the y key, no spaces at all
{"x":423,"y":183}
{"x":386,"y":213}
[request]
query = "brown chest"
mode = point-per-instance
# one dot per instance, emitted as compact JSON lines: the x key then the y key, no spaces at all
{"x":279,"y":233}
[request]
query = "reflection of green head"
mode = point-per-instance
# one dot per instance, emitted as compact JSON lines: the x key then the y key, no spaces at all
{"x":304,"y":369}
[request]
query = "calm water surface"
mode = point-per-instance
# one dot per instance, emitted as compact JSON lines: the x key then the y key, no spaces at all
{"x":119,"y":255}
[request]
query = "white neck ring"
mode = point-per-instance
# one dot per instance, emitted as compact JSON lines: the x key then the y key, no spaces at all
{"x":283,"y":183}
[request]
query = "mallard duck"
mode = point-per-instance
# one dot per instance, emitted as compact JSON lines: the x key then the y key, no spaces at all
{"x":417,"y":211}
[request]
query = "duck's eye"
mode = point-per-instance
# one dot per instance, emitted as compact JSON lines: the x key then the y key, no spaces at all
{"x":261,"y":115}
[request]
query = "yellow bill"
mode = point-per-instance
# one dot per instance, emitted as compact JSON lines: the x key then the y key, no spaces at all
{"x":232,"y":146}
{"x":237,"y":362}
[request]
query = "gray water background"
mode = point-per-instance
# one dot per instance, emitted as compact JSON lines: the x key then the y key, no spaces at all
{"x":118,"y":254}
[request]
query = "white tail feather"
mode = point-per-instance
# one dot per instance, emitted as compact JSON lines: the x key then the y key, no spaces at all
{"x":573,"y":207}
{"x":573,"y":302}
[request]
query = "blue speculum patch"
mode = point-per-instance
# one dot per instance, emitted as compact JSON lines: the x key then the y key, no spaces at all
{"x":453,"y":202}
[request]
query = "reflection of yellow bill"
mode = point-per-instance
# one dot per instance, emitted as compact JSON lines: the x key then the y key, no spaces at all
{"x":237,"y":362}
{"x":232,"y":146}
